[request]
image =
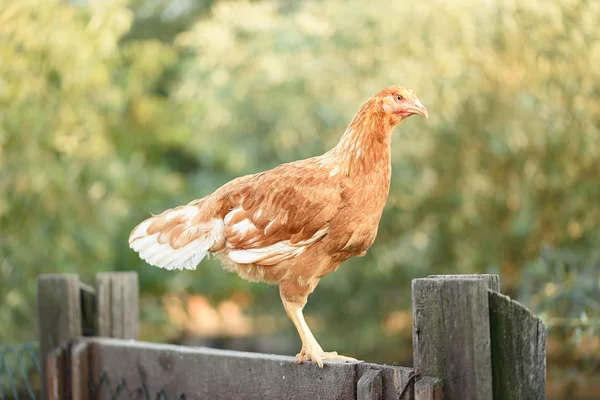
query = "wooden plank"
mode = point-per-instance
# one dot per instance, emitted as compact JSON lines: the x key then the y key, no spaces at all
{"x":429,"y":388}
{"x":451,"y":335}
{"x":394,"y":379}
{"x":203,"y":373}
{"x":518,"y":350}
{"x":55,"y":375}
{"x":88,"y":310}
{"x":369,"y":386}
{"x":492,"y":280}
{"x":80,"y":376}
{"x":117,"y":296}
{"x":59,"y":315}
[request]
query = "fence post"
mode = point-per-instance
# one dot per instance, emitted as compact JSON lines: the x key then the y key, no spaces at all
{"x":369,"y":386}
{"x":59,"y":319}
{"x":518,"y":350}
{"x":56,"y":378}
{"x":429,"y":388}
{"x":451,"y":334}
{"x":117,"y":295}
{"x":80,"y":372}
{"x":492,"y":280}
{"x":68,"y":309}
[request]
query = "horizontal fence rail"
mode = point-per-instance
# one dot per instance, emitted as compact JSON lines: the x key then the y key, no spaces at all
{"x":148,"y":369}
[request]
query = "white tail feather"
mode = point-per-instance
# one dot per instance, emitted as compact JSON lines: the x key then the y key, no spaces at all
{"x":163,"y":255}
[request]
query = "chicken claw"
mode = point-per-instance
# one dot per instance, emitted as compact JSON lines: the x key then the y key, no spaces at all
{"x":293,"y":224}
{"x":318,"y":355}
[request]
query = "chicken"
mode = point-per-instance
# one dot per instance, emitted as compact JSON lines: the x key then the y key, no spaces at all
{"x":294,"y":224}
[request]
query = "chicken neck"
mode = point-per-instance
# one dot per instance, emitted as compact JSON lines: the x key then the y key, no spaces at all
{"x":364,"y":148}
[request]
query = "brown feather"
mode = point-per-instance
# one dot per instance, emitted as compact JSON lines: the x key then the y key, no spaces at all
{"x":297,"y":222}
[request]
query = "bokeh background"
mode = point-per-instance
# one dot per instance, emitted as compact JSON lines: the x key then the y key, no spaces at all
{"x":113,"y":109}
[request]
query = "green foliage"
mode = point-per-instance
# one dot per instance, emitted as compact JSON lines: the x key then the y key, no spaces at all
{"x":109,"y":112}
{"x":76,"y":136}
{"x":563,"y":287}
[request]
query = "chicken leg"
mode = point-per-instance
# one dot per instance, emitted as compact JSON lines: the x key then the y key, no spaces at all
{"x":311,"y":350}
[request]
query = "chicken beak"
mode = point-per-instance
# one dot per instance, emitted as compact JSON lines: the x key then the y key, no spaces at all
{"x":419,"y":108}
{"x":422,"y":111}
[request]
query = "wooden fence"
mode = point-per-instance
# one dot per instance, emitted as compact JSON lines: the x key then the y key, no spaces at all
{"x":469,"y":342}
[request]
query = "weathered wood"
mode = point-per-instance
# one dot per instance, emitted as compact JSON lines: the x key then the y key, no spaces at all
{"x":55,"y":378}
{"x":59,"y":316}
{"x":394,"y":379}
{"x":518,"y":350}
{"x":203,"y":373}
{"x":80,"y":374}
{"x":88,"y":310}
{"x":429,"y":389}
{"x":451,"y":335}
{"x":198,"y":373}
{"x":492,"y":280}
{"x":369,"y":386}
{"x":117,"y":295}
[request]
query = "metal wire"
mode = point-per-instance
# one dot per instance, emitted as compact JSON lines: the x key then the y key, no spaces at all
{"x":103,"y":387}
{"x":20,"y":379}
{"x":19,"y":372}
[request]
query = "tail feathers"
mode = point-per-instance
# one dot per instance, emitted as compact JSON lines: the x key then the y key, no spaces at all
{"x":176,"y":239}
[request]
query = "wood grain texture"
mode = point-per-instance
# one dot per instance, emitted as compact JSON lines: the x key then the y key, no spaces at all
{"x":429,"y":388}
{"x":492,"y":280}
{"x":369,"y":386}
{"x":54,"y":383}
{"x":451,"y":335}
{"x":79,"y":360}
{"x":204,"y":373}
{"x":59,"y":316}
{"x":393,"y":379}
{"x":117,"y":295}
{"x":518,"y":350}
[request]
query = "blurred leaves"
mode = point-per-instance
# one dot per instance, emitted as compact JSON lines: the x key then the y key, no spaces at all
{"x":116,"y":109}
{"x":563,"y":287}
{"x":73,"y":164}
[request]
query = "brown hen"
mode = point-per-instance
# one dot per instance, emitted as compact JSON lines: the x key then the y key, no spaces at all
{"x":294,"y":224}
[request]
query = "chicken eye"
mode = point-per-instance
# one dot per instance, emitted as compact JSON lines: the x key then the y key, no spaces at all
{"x":399,"y":98}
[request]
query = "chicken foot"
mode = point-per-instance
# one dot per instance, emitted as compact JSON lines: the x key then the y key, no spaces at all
{"x":311,"y":350}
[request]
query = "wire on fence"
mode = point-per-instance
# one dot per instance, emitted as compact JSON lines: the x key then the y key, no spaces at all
{"x":20,"y":379}
{"x":103,"y":388}
{"x":19,"y":372}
